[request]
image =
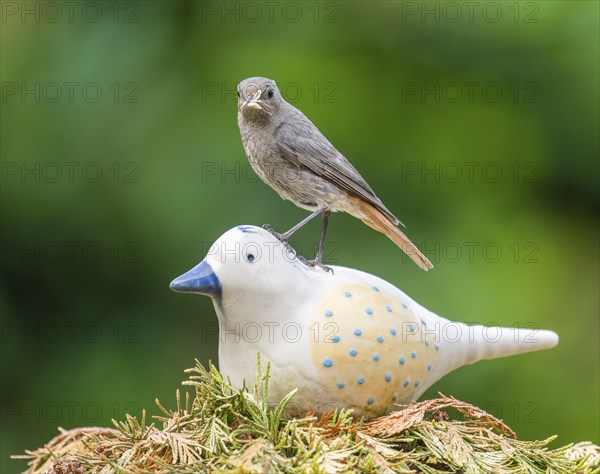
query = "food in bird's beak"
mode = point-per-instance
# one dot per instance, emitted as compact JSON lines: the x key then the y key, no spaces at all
{"x":252,"y":102}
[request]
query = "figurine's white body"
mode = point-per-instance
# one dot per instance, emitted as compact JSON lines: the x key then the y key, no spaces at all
{"x":345,"y":338}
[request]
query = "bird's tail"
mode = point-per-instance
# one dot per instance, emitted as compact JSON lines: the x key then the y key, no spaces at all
{"x":374,"y":218}
{"x":471,"y":344}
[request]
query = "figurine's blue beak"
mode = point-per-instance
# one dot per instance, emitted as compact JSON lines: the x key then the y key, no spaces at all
{"x":201,"y":279}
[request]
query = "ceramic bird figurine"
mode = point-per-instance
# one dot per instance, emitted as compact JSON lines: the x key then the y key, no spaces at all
{"x":345,"y":339}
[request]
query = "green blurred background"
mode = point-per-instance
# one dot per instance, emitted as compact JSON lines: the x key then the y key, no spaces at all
{"x":106,"y":198}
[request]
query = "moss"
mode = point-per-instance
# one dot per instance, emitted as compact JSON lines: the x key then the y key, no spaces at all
{"x":217,"y":428}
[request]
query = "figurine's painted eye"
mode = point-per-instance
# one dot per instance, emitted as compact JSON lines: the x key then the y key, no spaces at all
{"x":270,"y":94}
{"x":250,"y":257}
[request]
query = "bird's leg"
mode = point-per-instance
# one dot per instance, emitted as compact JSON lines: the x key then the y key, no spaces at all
{"x":326,"y":215}
{"x":317,"y":262}
{"x":286,"y":235}
{"x":283,"y":238}
{"x":302,"y":223}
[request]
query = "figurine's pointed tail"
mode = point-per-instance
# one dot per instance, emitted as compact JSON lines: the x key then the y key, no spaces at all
{"x":375,"y":219}
{"x":490,"y":342}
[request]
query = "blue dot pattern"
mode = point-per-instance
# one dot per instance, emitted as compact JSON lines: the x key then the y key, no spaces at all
{"x":363,"y":315}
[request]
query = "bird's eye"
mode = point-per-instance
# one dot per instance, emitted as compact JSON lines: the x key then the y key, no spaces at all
{"x":270,"y":94}
{"x":250,"y":257}
{"x":238,"y":92}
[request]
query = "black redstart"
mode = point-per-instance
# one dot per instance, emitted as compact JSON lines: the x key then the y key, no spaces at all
{"x":290,"y":154}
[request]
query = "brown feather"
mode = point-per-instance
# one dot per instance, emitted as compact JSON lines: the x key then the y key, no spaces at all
{"x":375,"y":219}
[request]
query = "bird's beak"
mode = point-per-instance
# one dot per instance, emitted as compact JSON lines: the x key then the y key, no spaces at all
{"x":201,"y":279}
{"x":252,"y":102}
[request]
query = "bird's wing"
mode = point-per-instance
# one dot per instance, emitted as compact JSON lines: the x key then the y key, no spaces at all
{"x":311,"y":150}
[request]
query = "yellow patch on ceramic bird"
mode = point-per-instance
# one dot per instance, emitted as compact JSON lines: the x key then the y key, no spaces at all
{"x":371,"y":347}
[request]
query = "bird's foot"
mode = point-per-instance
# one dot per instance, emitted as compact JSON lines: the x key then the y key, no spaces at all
{"x":274,"y":233}
{"x":281,"y":237}
{"x":315,"y":263}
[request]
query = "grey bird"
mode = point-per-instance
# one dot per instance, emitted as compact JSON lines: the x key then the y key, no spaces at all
{"x":289,"y":153}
